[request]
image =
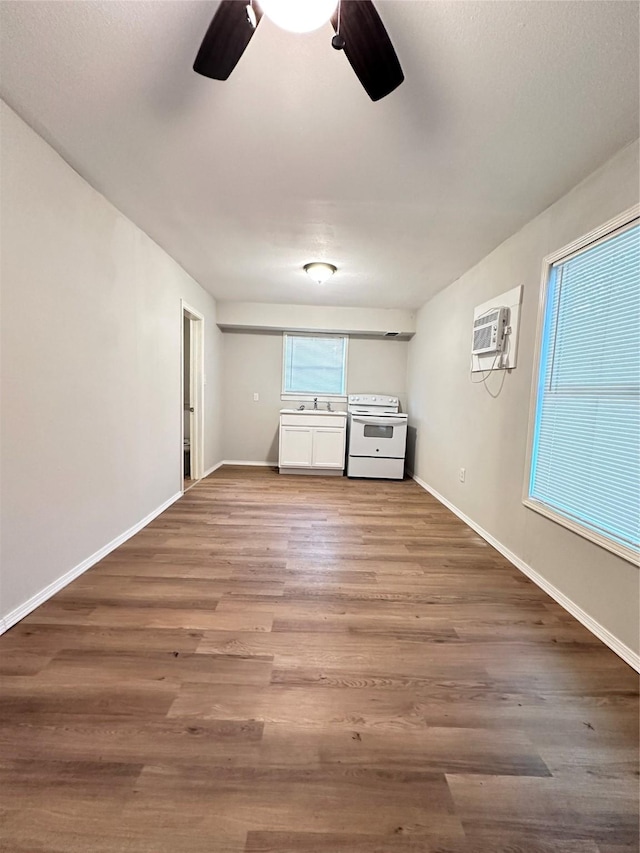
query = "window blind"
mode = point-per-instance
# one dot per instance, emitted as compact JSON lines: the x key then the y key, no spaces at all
{"x":586,"y":448}
{"x":314,"y":365}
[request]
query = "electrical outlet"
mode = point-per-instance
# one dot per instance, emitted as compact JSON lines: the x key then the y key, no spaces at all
{"x":256,"y":397}
{"x":462,"y":474}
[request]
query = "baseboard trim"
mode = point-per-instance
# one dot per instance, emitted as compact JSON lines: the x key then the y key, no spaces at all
{"x":40,"y":597}
{"x":609,"y":639}
{"x":212,"y":469}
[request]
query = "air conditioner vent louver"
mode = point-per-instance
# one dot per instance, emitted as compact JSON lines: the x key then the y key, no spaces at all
{"x":486,"y":318}
{"x":482,"y":338}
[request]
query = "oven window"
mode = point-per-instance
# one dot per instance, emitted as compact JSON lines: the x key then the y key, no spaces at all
{"x":374,"y":431}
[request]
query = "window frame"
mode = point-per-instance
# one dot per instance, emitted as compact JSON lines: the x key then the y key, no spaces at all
{"x":628,"y":219}
{"x":310,"y":397}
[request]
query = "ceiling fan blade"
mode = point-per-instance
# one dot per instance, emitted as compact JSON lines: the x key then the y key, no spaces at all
{"x":227,"y":37}
{"x":368,"y":47}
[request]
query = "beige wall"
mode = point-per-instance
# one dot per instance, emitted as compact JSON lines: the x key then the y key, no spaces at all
{"x":312,"y":318}
{"x":253,"y":364}
{"x":90,"y":383}
{"x":458,"y":424}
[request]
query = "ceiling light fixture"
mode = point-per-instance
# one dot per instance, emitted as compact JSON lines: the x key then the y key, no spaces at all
{"x":320,"y":272}
{"x":299,"y":16}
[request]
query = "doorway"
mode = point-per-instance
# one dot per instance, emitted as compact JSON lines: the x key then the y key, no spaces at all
{"x":192,"y":396}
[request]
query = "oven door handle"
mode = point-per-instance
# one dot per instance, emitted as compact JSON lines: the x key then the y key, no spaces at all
{"x":378,"y":421}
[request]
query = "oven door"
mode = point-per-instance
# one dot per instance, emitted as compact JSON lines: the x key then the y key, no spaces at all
{"x":377,"y":435}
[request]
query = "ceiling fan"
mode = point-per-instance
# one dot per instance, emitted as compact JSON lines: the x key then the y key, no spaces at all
{"x":358,"y":27}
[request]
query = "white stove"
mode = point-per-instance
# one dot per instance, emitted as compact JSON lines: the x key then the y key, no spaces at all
{"x":377,"y":437}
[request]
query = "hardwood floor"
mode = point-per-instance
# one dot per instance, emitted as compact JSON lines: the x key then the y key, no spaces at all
{"x":187,"y":483}
{"x":312,"y":665}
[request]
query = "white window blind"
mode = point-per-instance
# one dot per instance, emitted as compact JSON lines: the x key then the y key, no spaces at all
{"x":586,"y":449}
{"x":314,"y":365}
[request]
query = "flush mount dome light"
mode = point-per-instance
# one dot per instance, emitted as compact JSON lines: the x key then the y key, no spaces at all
{"x":319,"y":272}
{"x":299,"y":16}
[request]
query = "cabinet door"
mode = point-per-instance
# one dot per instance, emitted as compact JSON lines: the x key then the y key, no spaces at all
{"x":328,"y":448}
{"x":295,"y":447}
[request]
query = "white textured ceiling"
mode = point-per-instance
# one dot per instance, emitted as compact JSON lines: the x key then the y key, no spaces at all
{"x":505,"y":106}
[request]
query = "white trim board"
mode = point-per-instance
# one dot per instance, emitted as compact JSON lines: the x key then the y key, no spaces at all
{"x":506,"y":360}
{"x":623,"y":651}
{"x":211,"y":470}
{"x":196,"y":386}
{"x":39,"y":598}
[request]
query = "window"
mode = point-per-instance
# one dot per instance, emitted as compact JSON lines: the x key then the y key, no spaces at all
{"x":315,"y":366}
{"x":585,"y":455}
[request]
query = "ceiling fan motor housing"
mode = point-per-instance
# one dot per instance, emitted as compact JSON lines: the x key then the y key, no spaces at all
{"x":358,"y":28}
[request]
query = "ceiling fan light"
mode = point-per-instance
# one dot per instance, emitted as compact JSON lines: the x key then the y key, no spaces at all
{"x":299,"y":16}
{"x":319,"y":271}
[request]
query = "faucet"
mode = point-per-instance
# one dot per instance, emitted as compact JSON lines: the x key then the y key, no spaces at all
{"x":315,"y":403}
{"x":329,"y":409}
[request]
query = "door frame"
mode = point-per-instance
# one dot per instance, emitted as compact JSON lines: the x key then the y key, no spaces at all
{"x":197,"y":381}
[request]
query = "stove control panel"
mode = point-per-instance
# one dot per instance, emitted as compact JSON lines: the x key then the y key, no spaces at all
{"x":373,"y":403}
{"x":373,"y":399}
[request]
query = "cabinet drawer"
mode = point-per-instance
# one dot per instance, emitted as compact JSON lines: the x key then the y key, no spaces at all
{"x":313,"y":420}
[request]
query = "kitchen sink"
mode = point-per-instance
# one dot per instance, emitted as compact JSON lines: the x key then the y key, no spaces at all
{"x":311,"y":411}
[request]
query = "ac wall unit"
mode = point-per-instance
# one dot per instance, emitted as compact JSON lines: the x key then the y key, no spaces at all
{"x":489,"y":331}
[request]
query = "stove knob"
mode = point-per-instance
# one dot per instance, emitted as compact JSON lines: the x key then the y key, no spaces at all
{"x":374,"y":398}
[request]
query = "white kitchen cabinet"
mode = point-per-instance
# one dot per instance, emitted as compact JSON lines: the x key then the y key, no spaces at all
{"x":312,"y":442}
{"x":328,"y":448}
{"x":296,"y":447}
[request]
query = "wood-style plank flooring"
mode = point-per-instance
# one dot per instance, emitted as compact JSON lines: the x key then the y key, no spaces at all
{"x":312,"y":665}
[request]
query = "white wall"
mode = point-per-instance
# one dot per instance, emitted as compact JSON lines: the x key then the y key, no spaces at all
{"x":312,"y":318}
{"x":90,"y":384}
{"x":253,"y":364}
{"x":458,"y":424}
